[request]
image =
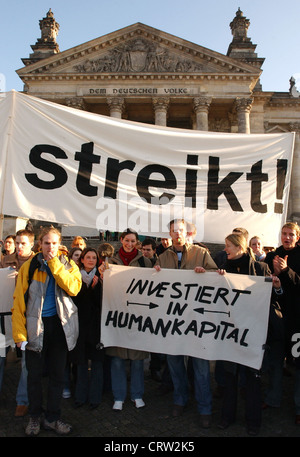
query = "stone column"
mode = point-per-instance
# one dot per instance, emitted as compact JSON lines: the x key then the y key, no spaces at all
{"x":161,"y":105}
{"x":243,"y":108}
{"x":294,"y":203}
{"x":116,"y":106}
{"x":10,"y":225}
{"x":201,"y":107}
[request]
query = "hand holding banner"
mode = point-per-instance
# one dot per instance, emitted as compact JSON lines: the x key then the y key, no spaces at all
{"x":181,"y":312}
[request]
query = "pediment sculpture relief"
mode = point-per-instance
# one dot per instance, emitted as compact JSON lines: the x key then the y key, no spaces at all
{"x":139,"y":56}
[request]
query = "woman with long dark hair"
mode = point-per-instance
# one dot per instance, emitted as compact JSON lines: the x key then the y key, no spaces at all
{"x":128,"y":255}
{"x":89,"y":384}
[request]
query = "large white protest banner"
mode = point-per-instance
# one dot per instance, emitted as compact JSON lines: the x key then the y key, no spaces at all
{"x":73,"y":167}
{"x":7,"y":287}
{"x":177,"y":312}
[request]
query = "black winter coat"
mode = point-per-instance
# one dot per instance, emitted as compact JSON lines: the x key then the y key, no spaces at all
{"x":89,"y":304}
{"x":246,"y":265}
{"x":290,"y":281}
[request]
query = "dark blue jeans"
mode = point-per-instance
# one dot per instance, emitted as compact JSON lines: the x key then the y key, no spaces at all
{"x":52,"y":357}
{"x":119,"y":379}
{"x":201,"y":380}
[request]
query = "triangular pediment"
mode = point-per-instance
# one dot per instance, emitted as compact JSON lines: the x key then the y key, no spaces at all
{"x":138,"y":49}
{"x":277,"y":129}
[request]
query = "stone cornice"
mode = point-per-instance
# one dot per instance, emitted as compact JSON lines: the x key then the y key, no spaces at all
{"x":284,"y":102}
{"x":276,"y":99}
{"x":135,"y":77}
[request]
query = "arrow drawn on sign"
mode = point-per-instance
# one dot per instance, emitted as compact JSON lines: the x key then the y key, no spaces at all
{"x":150,"y":305}
{"x":202,"y":311}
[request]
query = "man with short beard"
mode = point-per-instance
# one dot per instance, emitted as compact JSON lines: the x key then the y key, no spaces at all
{"x":24,"y":243}
{"x":183,"y":255}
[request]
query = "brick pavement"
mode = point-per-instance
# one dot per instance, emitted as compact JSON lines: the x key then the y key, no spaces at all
{"x":153,"y":421}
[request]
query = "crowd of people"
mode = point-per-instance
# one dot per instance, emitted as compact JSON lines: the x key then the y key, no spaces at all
{"x":56,"y":329}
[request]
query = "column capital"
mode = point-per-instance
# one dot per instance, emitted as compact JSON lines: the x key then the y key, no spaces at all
{"x":243,"y":104}
{"x":294,"y":127}
{"x":161,"y":103}
{"x":115,"y":102}
{"x":75,"y":102}
{"x":201,"y":103}
{"x":116,"y":106}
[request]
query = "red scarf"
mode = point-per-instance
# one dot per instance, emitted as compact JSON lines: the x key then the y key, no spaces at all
{"x":127,"y":257}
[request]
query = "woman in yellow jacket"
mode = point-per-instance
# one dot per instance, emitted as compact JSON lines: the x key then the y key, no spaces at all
{"x":45,"y":322}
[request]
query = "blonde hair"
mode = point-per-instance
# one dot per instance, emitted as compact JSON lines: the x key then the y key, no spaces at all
{"x":292,"y":226}
{"x":238,"y":240}
{"x":78,"y":239}
{"x":45,"y":230}
{"x":241,"y":230}
{"x":253,"y":238}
